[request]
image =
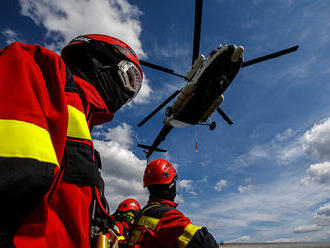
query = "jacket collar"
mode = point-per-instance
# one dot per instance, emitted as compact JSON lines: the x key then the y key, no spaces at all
{"x":163,"y":201}
{"x":95,"y":109}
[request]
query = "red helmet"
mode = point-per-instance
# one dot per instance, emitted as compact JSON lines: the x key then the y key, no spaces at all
{"x":94,"y":54}
{"x":120,"y":46}
{"x":129,"y":204}
{"x":159,"y":171}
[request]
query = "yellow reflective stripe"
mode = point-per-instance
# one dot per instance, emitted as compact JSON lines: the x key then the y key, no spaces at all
{"x":121,"y":238}
{"x":25,"y":140}
{"x":187,"y":235}
{"x":148,"y":221}
{"x":77,"y":127}
{"x":143,"y":221}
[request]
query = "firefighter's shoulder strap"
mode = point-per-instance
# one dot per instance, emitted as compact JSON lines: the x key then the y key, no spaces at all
{"x":148,"y":218}
{"x":153,"y":210}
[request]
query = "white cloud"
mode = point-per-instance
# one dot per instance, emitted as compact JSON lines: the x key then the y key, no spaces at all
{"x":270,"y":211}
{"x":324,"y":210}
{"x":122,"y":134}
{"x":246,"y":188}
{"x":240,"y":239}
{"x":10,"y":35}
{"x":206,"y":162}
{"x":185,"y":185}
{"x":289,"y":146}
{"x":321,"y":220}
{"x":66,"y":19}
{"x":285,"y":135}
{"x":304,"y":69}
{"x":318,"y":173}
{"x":144,"y":94}
{"x":306,"y":229}
{"x":289,"y":240}
{"x":317,"y":141}
{"x":122,"y":171}
{"x":322,"y":216}
{"x":283,"y":148}
{"x":220,"y":184}
{"x":316,"y":237}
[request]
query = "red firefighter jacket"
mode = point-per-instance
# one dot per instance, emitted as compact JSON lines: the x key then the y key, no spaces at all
{"x":160,"y":224}
{"x":48,"y":170}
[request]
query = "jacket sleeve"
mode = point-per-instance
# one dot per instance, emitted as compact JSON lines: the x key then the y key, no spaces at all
{"x":202,"y":238}
{"x":170,"y":227}
{"x":33,"y":126}
{"x":182,"y":232}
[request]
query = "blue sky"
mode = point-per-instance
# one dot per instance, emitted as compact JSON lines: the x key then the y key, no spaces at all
{"x":267,"y":177}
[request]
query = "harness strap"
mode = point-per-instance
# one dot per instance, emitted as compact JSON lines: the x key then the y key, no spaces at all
{"x":147,"y":218}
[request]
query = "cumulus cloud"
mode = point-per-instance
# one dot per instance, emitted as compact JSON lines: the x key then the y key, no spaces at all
{"x":306,"y":229}
{"x":220,"y":184}
{"x":271,"y":211}
{"x":324,"y":210}
{"x":122,"y":134}
{"x":317,"y":173}
{"x":185,"y":185}
{"x":317,"y":141}
{"x":322,"y":216}
{"x":122,"y":171}
{"x":246,"y":188}
{"x":65,"y":19}
{"x":290,"y":146}
{"x":10,"y":35}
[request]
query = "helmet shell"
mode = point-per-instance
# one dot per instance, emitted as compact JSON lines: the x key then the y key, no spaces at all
{"x":129,"y":204}
{"x":159,"y":171}
{"x":119,"y":45}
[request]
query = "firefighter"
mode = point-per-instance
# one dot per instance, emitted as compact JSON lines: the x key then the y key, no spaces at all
{"x":159,"y":223}
{"x":50,"y":183}
{"x":124,"y":219}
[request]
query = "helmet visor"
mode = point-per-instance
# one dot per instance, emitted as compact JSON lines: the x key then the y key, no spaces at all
{"x":130,"y":76}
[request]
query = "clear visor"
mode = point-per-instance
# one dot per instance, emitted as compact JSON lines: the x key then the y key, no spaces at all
{"x":130,"y":76}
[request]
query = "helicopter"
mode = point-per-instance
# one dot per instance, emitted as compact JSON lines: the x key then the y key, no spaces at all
{"x":207,"y":80}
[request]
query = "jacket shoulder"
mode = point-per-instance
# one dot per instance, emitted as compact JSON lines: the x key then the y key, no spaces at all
{"x":157,"y":211}
{"x":27,"y":50}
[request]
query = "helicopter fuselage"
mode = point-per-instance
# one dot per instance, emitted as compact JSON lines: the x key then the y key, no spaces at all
{"x":202,"y":94}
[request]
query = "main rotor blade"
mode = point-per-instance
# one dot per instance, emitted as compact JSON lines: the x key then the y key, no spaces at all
{"x":197,"y":28}
{"x":156,"y":149}
{"x":224,"y":116}
{"x":161,"y":68}
{"x":159,"y":108}
{"x":159,"y":139}
{"x":270,"y":56}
